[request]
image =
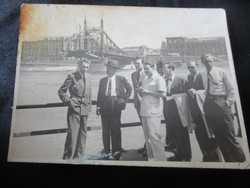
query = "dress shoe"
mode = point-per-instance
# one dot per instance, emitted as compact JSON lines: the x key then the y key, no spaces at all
{"x":116,"y":155}
{"x":104,"y":156}
{"x":171,"y":148}
{"x":141,"y":150}
{"x":174,"y":158}
{"x":144,"y":153}
{"x":66,"y":158}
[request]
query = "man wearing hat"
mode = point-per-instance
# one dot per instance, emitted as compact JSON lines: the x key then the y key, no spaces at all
{"x":114,"y":91}
{"x":79,"y":106}
{"x":217,"y":107}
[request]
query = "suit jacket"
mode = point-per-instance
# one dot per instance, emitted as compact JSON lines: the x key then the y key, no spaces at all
{"x":134,"y":77}
{"x":196,"y":84}
{"x":179,"y":85}
{"x":79,"y":101}
{"x":123,"y":90}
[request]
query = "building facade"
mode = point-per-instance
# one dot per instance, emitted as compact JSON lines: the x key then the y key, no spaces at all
{"x":181,"y":46}
{"x":45,"y":49}
{"x":180,"y":50}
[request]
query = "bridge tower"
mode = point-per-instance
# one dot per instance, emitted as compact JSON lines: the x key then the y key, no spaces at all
{"x":102,"y":35}
{"x":85,"y":34}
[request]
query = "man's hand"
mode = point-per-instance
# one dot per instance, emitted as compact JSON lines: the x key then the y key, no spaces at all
{"x":228,"y":103}
{"x":192,"y":92}
{"x":139,"y":90}
{"x":191,"y":127}
{"x":145,"y":92}
{"x":98,"y":111}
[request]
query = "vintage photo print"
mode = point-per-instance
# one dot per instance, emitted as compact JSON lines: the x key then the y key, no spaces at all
{"x":129,"y":86}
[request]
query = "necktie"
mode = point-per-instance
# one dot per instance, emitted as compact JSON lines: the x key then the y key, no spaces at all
{"x":212,"y":80}
{"x":109,"y":88}
{"x":208,"y":83}
{"x":169,"y":80}
{"x":138,"y":77}
{"x":83,"y":78}
{"x":192,"y":79}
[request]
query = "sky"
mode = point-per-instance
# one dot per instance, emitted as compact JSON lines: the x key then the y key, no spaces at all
{"x":126,"y":26}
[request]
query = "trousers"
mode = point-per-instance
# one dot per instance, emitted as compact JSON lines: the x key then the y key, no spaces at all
{"x":111,"y":126}
{"x":154,"y":144}
{"x":179,"y":135}
{"x":76,"y":137}
{"x":208,"y":146}
{"x":220,"y":119}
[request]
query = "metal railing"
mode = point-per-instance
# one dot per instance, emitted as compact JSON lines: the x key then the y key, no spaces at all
{"x":63,"y":130}
{"x":89,"y":128}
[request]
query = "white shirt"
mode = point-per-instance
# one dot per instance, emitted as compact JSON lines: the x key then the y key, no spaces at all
{"x":150,"y":105}
{"x":222,"y":86}
{"x":195,"y":75}
{"x":113,"y":86}
{"x":142,"y":76}
{"x":169,"y":83}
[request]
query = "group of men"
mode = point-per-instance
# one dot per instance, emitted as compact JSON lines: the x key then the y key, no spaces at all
{"x":201,"y":102}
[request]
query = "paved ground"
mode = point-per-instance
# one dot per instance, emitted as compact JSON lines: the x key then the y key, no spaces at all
{"x":50,"y":147}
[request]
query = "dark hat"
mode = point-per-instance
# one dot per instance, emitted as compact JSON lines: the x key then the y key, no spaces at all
{"x":113,"y":63}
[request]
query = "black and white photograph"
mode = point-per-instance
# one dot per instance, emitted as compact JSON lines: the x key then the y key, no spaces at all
{"x":126,"y":86}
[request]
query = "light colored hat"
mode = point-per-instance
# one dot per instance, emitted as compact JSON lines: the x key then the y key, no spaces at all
{"x":113,"y":63}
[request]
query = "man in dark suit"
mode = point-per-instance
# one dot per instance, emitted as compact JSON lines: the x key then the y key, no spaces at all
{"x":178,"y":134}
{"x":114,"y":91}
{"x":135,"y":76}
{"x":206,"y":142}
{"x":79,"y":106}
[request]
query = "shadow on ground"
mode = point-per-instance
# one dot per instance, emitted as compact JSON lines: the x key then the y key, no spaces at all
{"x":128,"y":155}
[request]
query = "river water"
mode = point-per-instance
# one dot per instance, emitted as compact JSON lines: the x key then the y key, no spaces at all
{"x":42,"y":87}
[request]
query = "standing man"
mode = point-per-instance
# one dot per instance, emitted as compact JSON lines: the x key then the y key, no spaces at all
{"x":207,"y":145}
{"x":159,"y":67}
{"x":152,"y":90}
{"x":135,"y":76}
{"x":177,"y":133}
{"x":217,"y":107}
{"x":114,"y":91}
{"x":79,"y":106}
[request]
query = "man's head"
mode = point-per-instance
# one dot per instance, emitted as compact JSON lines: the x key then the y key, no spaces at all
{"x":148,"y":68}
{"x":207,"y":61}
{"x":192,"y":67}
{"x":168,"y":70}
{"x":83,"y":65}
{"x":111,"y":67}
{"x":159,"y":67}
{"x":138,"y":64}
